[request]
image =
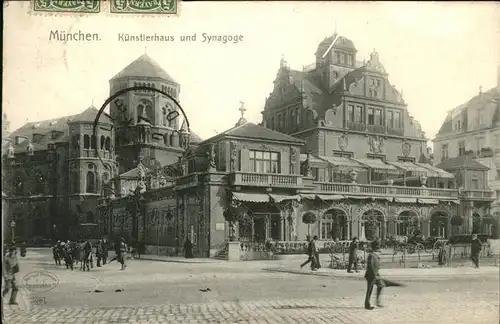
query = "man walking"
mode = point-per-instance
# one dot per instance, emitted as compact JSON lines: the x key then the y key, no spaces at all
{"x":353,"y":256}
{"x":310,"y":252}
{"x":317,"y":263}
{"x":98,"y":253}
{"x":475,"y":249}
{"x":372,"y":276}
{"x":10,"y":268}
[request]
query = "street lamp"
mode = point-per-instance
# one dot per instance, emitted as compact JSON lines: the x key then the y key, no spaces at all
{"x":54,"y":226}
{"x":13,"y":226}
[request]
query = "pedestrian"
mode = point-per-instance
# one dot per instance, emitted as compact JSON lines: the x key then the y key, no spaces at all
{"x":317,"y":263}
{"x":10,"y":268}
{"x":475,"y":249}
{"x":98,"y":253}
{"x":310,"y":254}
{"x":372,"y":275}
{"x":55,"y":253}
{"x":123,"y":253}
{"x":353,"y":255}
{"x":23,"y":249}
{"x":443,"y":255}
{"x":116,"y":247}
{"x":188,"y":249}
{"x":104,"y":251}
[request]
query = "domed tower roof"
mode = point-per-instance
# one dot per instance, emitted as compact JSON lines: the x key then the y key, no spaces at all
{"x":144,"y":67}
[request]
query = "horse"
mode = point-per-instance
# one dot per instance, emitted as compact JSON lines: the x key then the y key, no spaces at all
{"x":84,"y":255}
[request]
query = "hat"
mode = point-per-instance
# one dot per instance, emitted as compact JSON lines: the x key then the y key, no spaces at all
{"x":315,"y":237}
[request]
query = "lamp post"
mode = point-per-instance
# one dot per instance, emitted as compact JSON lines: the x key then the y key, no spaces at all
{"x":54,"y":227}
{"x":13,"y":227}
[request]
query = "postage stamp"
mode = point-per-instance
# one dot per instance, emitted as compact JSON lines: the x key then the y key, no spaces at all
{"x":162,"y":7}
{"x":63,"y":6}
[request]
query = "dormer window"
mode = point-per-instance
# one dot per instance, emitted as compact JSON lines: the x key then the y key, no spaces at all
{"x":10,"y":151}
{"x":52,"y":123}
{"x":30,"y":149}
{"x":35,"y":126}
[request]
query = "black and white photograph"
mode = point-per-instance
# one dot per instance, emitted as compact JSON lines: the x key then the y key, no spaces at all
{"x":250,"y":162}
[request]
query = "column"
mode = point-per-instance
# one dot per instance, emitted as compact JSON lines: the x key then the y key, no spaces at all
{"x":348,"y":230}
{"x":268,"y":226}
{"x":283,"y":215}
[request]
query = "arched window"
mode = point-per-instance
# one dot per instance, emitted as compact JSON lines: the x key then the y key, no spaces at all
{"x":39,"y":183}
{"x":108,"y":144}
{"x":75,"y":182}
{"x":172,"y":139}
{"x":166,"y":139}
{"x":19,"y":186}
{"x":90,"y":182}
{"x":164,"y":117}
{"x":103,"y":142}
{"x":90,"y":217}
{"x":75,"y":142}
{"x":105,"y":178}
{"x":86,"y":142}
{"x":93,"y":142}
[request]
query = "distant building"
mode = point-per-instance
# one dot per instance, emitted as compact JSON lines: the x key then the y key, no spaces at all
{"x":473,"y":129}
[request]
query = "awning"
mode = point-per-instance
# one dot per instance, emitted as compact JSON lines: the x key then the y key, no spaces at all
{"x":370,"y":197}
{"x":280,"y":198}
{"x":331,"y":197}
{"x":411,"y":167}
{"x":428,"y":201}
{"x":314,"y":159}
{"x":453,"y":201}
{"x":406,"y":200}
{"x":439,"y":173}
{"x":308,"y":196}
{"x":251,"y":197}
{"x":343,"y":163}
{"x":376,"y":164}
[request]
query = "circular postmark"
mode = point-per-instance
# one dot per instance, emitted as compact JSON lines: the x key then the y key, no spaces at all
{"x":40,"y":281}
{"x":126,"y":122}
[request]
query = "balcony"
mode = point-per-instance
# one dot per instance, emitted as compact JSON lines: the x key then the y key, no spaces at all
{"x":478,"y":195}
{"x":266,"y":180}
{"x":380,"y":129}
{"x":390,"y":191}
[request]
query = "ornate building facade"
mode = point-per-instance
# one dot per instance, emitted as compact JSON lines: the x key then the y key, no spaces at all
{"x":337,"y":155}
{"x":473,"y":129}
{"x":52,"y":175}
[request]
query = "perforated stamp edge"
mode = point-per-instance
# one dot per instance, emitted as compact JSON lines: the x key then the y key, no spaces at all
{"x":103,"y":7}
{"x":108,"y":13}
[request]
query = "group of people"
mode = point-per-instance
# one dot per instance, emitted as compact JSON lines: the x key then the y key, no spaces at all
{"x":84,"y":251}
{"x":475,"y":250}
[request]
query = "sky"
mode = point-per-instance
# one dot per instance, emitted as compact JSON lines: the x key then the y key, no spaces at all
{"x":438,"y":53}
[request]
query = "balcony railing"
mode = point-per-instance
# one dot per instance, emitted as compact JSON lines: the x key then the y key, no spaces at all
{"x":381,"y":129}
{"x":478,"y":194}
{"x":266,"y":180}
{"x":367,"y":189}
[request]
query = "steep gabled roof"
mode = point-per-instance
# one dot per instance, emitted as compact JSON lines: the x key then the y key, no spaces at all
{"x":462,"y":162}
{"x":89,"y":115}
{"x":144,"y":67}
{"x":253,"y":131}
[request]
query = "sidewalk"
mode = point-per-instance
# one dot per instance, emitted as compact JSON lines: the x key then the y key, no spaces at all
{"x":164,"y":258}
{"x":404,"y":274}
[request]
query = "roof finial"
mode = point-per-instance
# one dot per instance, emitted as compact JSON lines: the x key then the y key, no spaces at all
{"x":145,"y":50}
{"x":335,"y":26}
{"x":480,"y":89}
{"x":242,"y":110}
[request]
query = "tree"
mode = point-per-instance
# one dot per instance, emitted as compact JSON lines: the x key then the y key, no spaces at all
{"x":309,"y":218}
{"x":231,"y":215}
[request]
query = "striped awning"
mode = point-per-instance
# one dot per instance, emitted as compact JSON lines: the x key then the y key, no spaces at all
{"x":376,"y":164}
{"x":411,"y":167}
{"x":343,"y":163}
{"x":439,"y":173}
{"x":279,"y":198}
{"x":331,"y":197}
{"x":251,"y":197}
{"x":406,"y":200}
{"x":428,"y":201}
